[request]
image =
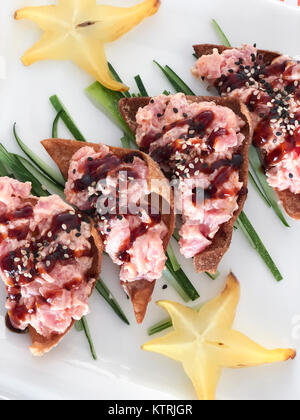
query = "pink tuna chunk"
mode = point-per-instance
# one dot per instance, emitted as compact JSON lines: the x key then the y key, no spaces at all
{"x":53,"y":299}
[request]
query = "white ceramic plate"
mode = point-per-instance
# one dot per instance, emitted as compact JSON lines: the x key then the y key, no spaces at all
{"x":268,"y":312}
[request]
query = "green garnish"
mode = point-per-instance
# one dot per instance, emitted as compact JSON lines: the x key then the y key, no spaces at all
{"x":172,"y":258}
{"x":172,"y":280}
{"x":256,"y":186}
{"x":178,"y":84}
{"x":89,"y":337}
{"x":46,"y":183}
{"x":221,"y":34}
{"x":183,"y":282}
{"x":141,"y":86}
{"x":125,"y":142}
{"x":118,"y":79}
{"x":51,"y":173}
{"x":160,"y":326}
{"x":3,"y":170}
{"x":213,"y":276}
{"x":78,"y":326}
{"x":20,"y":172}
{"x":55,"y":125}
{"x":107,"y":295}
{"x":267,"y":192}
{"x":65,"y":116}
{"x":108,"y":101}
{"x":257,"y":244}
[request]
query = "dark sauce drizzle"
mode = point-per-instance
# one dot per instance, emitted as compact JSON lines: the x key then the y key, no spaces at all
{"x":197,"y":129}
{"x":97,"y":170}
{"x":248,"y":76}
{"x":20,"y":265}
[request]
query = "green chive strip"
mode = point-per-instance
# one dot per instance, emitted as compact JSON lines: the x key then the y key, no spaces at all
{"x":213,"y":276}
{"x":78,"y":326}
{"x":173,"y":282}
{"x":118,"y":79}
{"x":160,"y":326}
{"x":109,"y":298}
{"x":178,"y":84}
{"x":108,"y":101}
{"x":183,"y":282}
{"x":65,"y":116}
{"x":268,"y":191}
{"x":44,"y":167}
{"x":259,"y":246}
{"x":47,"y":184}
{"x":89,"y":337}
{"x":221,"y":34}
{"x":172,"y":258}
{"x":20,"y":172}
{"x":55,"y":125}
{"x":256,"y":186}
{"x":125,"y":142}
{"x":141,"y":86}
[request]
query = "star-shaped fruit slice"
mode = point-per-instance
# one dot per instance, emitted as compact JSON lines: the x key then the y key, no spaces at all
{"x":77,"y":30}
{"x":205,"y":343}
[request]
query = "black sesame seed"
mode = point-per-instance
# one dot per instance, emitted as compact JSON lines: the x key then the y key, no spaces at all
{"x":185,"y":115}
{"x":119,"y":217}
{"x":78,"y":235}
{"x":152,"y":101}
{"x":291,"y":175}
{"x":74,"y":171}
{"x":164,"y":287}
{"x":175,"y":110}
{"x":159,"y":115}
{"x":90,"y":159}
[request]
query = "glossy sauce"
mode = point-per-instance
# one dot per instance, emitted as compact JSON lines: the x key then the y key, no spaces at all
{"x":257,"y":103}
{"x":198,"y":124}
{"x":197,"y":129}
{"x":112,"y":165}
{"x":136,"y":233}
{"x":11,"y":262}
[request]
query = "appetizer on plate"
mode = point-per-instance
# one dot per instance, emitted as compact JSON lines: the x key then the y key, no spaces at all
{"x":135,"y":233}
{"x":202,"y":144}
{"x":50,"y":259}
{"x":268,"y":83}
